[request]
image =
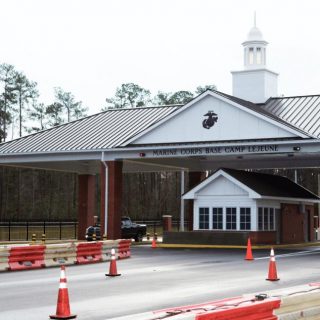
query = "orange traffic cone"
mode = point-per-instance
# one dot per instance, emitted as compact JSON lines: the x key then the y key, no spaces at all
{"x":113,"y":265}
{"x":154,"y":243}
{"x":249,"y":255}
{"x":272,"y":275}
{"x":63,"y":307}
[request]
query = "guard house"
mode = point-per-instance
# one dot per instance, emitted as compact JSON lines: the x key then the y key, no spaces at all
{"x":231,"y":205}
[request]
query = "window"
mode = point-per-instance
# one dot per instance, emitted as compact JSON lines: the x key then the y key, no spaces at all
{"x":250,"y":55}
{"x":203,"y":218}
{"x":231,"y":218}
{"x":271,"y":219}
{"x":266,"y":225}
{"x":260,"y":219}
{"x":217,"y":218}
{"x":245,"y":219}
{"x":266,"y":219}
{"x":259,"y":60}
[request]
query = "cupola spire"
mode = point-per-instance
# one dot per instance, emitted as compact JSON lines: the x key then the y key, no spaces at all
{"x":254,"y":48}
{"x":255,"y":83}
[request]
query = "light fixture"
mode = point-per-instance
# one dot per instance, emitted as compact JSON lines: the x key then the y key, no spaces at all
{"x":296,"y":148}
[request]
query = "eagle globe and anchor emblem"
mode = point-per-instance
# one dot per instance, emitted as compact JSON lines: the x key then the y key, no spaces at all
{"x":210,"y":121}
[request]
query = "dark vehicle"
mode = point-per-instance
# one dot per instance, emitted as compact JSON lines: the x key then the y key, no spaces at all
{"x":91,"y":230}
{"x":129,"y":230}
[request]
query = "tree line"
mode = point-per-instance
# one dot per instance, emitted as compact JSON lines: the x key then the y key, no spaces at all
{"x":33,"y":195}
{"x":131,"y":95}
{"x":22,"y":111}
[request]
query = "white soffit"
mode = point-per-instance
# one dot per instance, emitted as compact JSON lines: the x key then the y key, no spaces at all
{"x":228,"y":121}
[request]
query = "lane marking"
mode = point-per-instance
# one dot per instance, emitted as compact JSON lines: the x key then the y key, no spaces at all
{"x":293,"y":254}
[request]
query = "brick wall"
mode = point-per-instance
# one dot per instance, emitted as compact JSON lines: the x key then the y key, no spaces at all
{"x":219,"y":237}
{"x":263,"y":237}
{"x":312,"y":225}
{"x":293,"y":223}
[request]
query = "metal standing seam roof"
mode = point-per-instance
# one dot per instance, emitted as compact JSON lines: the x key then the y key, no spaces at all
{"x":302,"y":112}
{"x":104,"y":130}
{"x":112,"y":128}
{"x":268,"y":112}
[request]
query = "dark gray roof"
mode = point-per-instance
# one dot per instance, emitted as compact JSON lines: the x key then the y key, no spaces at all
{"x":104,"y":130}
{"x":302,"y":112}
{"x":268,"y":112}
{"x":271,"y":185}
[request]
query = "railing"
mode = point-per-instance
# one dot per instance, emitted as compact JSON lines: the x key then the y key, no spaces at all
{"x":22,"y":231}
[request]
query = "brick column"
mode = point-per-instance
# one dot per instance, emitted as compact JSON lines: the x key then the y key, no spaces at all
{"x":194,"y":179}
{"x":114,"y":198}
{"x":167,"y":223}
{"x":86,"y":203}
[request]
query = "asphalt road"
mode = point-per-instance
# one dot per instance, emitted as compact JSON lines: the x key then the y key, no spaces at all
{"x":153,"y":279}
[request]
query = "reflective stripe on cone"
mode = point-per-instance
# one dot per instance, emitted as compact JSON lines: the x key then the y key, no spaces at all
{"x":113,"y":266}
{"x":63,"y":306}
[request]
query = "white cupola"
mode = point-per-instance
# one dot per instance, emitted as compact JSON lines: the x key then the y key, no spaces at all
{"x":255,"y":83}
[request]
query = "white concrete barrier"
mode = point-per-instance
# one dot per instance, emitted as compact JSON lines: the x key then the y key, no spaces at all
{"x":303,"y":304}
{"x":69,"y":253}
{"x":4,"y":258}
{"x":58,"y":254}
{"x":107,"y":245}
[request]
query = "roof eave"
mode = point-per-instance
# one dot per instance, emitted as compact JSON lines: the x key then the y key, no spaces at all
{"x":291,"y":199}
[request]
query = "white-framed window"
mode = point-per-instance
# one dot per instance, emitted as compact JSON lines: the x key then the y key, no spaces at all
{"x":231,"y":218}
{"x":250,"y":55}
{"x":217,"y":218}
{"x":204,"y":218}
{"x":259,"y":56}
{"x":267,"y":219}
{"x":245,"y":218}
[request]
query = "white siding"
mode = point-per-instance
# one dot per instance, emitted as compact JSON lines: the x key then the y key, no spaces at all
{"x":255,"y":85}
{"x":233,"y":124}
{"x":222,"y":187}
{"x":269,"y":203}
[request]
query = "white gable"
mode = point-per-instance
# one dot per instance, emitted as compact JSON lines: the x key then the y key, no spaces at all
{"x":234,"y":122}
{"x":222,"y":187}
{"x":220,"y":183}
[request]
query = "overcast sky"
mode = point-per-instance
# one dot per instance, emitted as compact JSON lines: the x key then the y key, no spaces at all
{"x":90,"y":47}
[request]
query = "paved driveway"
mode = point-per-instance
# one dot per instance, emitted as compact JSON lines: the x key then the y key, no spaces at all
{"x":153,"y":279}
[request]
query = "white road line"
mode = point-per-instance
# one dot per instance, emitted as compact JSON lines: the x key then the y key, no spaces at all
{"x":294,"y":254}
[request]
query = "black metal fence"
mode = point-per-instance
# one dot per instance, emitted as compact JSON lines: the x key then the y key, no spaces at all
{"x":23,"y":231}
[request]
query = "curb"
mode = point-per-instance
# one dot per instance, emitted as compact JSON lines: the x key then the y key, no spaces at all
{"x":208,"y":246}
